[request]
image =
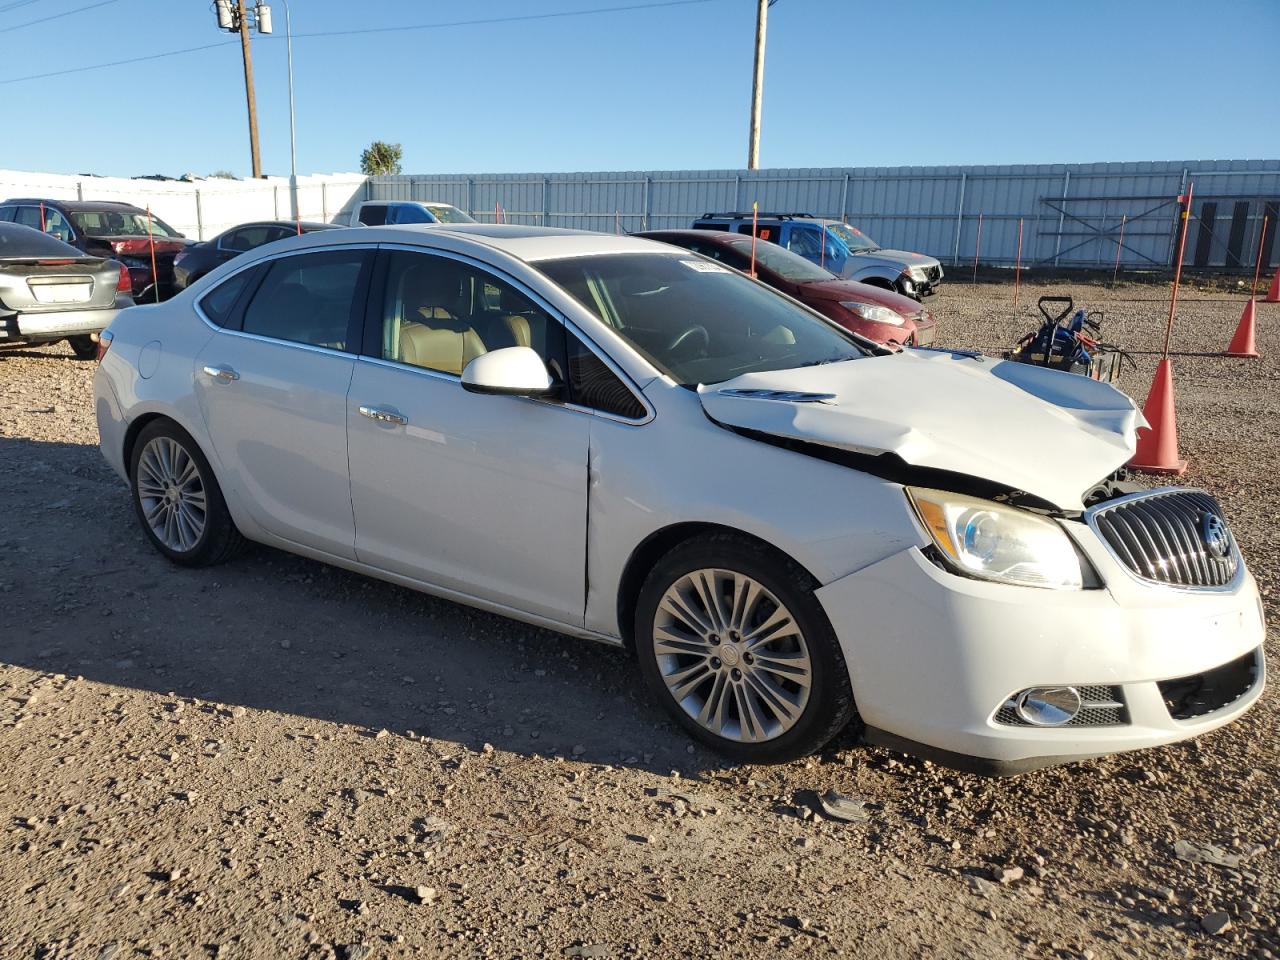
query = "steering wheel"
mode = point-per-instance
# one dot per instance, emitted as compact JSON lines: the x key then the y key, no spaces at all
{"x":683,"y":338}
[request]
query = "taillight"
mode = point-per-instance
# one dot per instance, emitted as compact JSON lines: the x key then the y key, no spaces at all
{"x":104,"y":343}
{"x":123,"y":285}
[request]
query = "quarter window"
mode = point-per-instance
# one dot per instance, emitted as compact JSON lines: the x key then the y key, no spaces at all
{"x":218,"y":303}
{"x":440,"y":314}
{"x":310,"y":298}
{"x":593,"y":384}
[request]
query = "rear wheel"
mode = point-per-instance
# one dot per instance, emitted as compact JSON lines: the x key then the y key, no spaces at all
{"x":732,"y":641}
{"x":178,"y":500}
{"x":85,"y":348}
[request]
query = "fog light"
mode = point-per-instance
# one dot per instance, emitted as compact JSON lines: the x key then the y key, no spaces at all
{"x":1048,"y":706}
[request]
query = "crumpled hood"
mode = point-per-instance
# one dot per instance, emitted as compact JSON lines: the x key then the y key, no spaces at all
{"x":1048,"y":433}
{"x":859,"y":261}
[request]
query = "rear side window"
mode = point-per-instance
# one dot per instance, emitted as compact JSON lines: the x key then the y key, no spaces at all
{"x":310,"y":298}
{"x":593,"y":384}
{"x":407,"y":213}
{"x":763,"y":231}
{"x":373,"y":214}
{"x":6,"y":214}
{"x":218,"y":303}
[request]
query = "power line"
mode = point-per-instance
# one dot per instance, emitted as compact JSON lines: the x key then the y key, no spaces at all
{"x":57,"y":16}
{"x":510,"y":19}
{"x":4,"y":8}
{"x":338,"y":33}
{"x":120,"y":63}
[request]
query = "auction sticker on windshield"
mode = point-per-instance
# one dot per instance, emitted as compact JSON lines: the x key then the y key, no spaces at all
{"x":704,"y":266}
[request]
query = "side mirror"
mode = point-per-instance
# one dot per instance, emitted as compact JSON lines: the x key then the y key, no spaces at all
{"x":513,"y":371}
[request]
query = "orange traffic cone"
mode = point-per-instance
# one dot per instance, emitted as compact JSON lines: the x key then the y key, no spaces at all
{"x":1242,"y":344}
{"x":1273,"y":291}
{"x":1158,"y":444}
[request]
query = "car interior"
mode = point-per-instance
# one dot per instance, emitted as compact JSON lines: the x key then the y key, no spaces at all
{"x":441,"y":315}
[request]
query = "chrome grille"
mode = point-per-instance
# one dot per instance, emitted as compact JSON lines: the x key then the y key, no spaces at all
{"x":1164,"y":537}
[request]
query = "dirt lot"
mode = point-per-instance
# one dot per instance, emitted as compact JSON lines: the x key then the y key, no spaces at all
{"x":279,"y":759}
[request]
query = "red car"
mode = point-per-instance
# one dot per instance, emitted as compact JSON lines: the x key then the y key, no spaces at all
{"x":875,"y":313}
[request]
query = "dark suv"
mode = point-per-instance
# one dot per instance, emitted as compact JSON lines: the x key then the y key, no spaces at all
{"x":198,"y":259}
{"x":103,"y":228}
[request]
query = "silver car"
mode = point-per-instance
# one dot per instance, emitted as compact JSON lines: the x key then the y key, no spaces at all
{"x":50,"y":291}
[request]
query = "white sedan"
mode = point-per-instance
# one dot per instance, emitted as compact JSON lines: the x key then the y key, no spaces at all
{"x":616,"y":439}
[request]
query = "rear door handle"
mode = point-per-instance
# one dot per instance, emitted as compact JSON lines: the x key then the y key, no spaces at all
{"x":383,"y":415}
{"x":225,"y":374}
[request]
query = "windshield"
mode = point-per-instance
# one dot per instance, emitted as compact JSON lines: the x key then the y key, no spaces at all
{"x":697,"y":321}
{"x":787,"y":265}
{"x":855,"y":239}
{"x":447,"y":213}
{"x":117,"y":223}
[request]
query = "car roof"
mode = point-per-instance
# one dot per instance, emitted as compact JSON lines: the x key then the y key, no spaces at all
{"x":79,"y":204}
{"x":725,"y":237}
{"x":424,"y":203}
{"x":527,"y":243}
{"x":287,"y":224}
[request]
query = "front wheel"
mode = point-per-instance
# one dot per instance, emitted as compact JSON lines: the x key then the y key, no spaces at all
{"x":177,"y":498}
{"x":732,"y":641}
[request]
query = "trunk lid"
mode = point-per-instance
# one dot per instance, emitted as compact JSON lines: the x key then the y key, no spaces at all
{"x":38,"y":285}
{"x":1050,"y":434}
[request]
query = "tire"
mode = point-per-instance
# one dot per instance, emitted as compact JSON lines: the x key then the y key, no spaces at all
{"x":85,"y":348}
{"x":163,"y":454}
{"x":729,"y":563}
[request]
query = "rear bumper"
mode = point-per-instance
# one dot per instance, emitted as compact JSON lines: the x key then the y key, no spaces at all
{"x":57,"y":324}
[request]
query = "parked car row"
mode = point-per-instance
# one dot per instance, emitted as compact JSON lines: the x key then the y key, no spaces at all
{"x":792,"y":527}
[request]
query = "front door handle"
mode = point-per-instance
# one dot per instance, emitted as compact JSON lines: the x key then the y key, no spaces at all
{"x":383,"y":415}
{"x":225,"y":374}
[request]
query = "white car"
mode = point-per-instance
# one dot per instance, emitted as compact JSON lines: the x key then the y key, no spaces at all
{"x":615,"y":439}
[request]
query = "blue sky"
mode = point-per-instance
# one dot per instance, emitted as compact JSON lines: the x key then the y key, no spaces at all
{"x":848,"y":82}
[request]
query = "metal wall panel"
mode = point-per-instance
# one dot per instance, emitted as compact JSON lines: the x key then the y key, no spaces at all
{"x":1071,"y":214}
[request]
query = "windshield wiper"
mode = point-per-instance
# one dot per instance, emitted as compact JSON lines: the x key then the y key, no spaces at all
{"x":824,"y":361}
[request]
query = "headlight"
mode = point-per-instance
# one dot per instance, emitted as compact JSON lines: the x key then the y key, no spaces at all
{"x":917,"y":273}
{"x":995,"y":542}
{"x":874,"y":312}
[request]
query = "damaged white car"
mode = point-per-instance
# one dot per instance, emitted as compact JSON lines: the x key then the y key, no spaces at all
{"x":792,"y":528}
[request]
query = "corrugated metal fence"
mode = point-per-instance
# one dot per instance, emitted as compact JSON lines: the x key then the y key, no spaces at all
{"x":1072,"y":214}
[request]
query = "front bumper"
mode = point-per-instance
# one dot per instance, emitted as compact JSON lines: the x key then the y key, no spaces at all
{"x":933,"y":656}
{"x":57,"y":324}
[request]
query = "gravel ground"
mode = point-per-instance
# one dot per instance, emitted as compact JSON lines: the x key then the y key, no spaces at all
{"x":280,"y":759}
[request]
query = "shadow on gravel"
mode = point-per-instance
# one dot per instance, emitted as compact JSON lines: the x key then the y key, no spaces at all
{"x":83,"y":593}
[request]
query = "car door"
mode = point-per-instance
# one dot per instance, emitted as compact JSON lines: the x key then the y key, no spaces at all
{"x":272,"y":387}
{"x":483,"y":495}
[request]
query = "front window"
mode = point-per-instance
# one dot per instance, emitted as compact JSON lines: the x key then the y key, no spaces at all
{"x":119,"y":223}
{"x":448,"y":213}
{"x":853,"y":238}
{"x":696,"y":321}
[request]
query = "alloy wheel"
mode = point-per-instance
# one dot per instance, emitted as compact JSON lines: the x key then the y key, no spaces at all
{"x":732,"y":655}
{"x":172,"y":494}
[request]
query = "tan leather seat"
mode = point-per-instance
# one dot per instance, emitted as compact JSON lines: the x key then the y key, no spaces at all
{"x":430,"y":335}
{"x":441,"y":349}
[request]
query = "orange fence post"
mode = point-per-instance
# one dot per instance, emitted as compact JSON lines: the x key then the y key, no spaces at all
{"x":1017,"y":270}
{"x":1257,"y":267}
{"x":151,"y":239}
{"x":755,"y":220}
{"x":43,"y":229}
{"x":1119,"y":247}
{"x":977,"y":247}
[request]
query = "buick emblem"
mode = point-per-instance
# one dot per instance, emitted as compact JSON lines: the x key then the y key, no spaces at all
{"x":1216,"y":536}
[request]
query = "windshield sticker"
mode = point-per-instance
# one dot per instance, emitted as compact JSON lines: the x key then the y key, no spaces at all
{"x":705,"y":266}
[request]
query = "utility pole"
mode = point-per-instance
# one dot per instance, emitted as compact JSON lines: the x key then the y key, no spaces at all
{"x":757,"y":85}
{"x":234,"y":18}
{"x":243,"y":19}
